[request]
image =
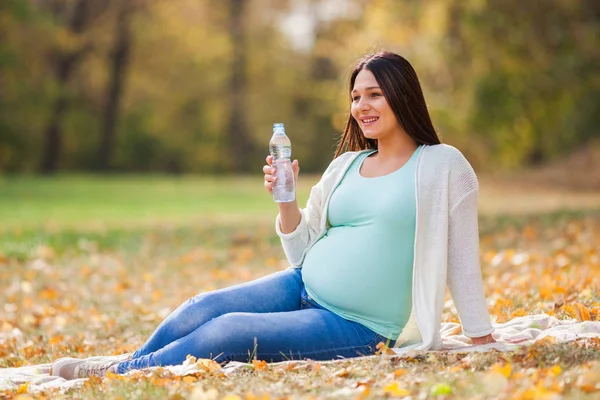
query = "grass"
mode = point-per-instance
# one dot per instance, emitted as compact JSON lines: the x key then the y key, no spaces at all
{"x":120,"y":200}
{"x":99,"y":201}
{"x":90,"y":265}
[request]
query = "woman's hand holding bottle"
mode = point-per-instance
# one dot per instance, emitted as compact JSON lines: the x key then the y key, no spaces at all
{"x":269,"y":171}
{"x":289,"y":213}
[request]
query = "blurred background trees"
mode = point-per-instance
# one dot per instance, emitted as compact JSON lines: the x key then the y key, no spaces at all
{"x":195,"y":85}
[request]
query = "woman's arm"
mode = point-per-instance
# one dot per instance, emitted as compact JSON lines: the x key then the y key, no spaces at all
{"x":295,"y":242}
{"x":464,"y":271}
{"x":289,"y":216}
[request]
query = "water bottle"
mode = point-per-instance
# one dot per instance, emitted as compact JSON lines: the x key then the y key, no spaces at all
{"x":280,"y":147}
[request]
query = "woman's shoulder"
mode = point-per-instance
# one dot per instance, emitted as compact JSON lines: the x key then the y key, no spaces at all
{"x":446,"y":154}
{"x":444,"y":149}
{"x":443,"y":157}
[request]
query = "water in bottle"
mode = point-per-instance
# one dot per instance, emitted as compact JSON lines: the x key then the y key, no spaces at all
{"x":280,"y":147}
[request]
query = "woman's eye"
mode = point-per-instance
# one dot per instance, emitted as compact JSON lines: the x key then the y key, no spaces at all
{"x":375,"y":94}
{"x":355,"y":98}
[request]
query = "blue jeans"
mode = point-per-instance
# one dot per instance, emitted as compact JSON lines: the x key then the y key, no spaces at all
{"x":271,"y":318}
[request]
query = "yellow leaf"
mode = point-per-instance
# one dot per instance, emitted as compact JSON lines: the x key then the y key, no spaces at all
{"x":122,"y":286}
{"x":364,"y":391}
{"x":48,"y":294}
{"x":519,"y":312}
{"x":505,"y":370}
{"x":395,"y":390}
{"x":55,"y":339}
{"x":23,"y":388}
{"x":457,"y":330}
{"x":208,"y":365}
{"x":546,"y":293}
{"x":581,"y":312}
{"x":260,"y":365}
{"x":556,"y":370}
{"x":399,"y":372}
{"x":546,"y":340}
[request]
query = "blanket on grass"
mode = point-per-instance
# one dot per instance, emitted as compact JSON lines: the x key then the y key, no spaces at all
{"x":511,"y":335}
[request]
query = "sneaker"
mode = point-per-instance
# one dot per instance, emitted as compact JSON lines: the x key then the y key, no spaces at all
{"x":73,"y":368}
{"x":119,"y":358}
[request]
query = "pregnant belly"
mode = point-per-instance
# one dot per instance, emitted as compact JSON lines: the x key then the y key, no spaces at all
{"x":357,"y":271}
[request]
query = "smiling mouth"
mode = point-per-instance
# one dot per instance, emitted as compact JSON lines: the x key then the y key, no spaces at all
{"x":369,"y":120}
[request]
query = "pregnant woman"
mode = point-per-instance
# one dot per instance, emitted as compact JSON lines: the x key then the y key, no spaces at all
{"x":392,"y":221}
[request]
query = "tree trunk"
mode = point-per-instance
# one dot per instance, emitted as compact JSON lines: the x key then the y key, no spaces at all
{"x":65,"y":66}
{"x":239,"y":142}
{"x":119,"y":60}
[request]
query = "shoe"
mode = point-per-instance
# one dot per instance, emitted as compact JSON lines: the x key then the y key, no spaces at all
{"x":119,"y":358}
{"x":74,"y":368}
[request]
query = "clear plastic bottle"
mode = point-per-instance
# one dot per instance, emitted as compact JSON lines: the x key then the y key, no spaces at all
{"x":280,"y":147}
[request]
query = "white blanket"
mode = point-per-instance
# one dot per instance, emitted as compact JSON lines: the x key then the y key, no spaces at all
{"x":511,"y":335}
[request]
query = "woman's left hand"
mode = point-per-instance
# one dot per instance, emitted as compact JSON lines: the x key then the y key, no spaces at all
{"x":483,"y":340}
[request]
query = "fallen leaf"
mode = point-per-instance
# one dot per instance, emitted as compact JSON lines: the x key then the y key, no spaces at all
{"x":546,"y":340}
{"x":382,"y":348}
{"x":581,"y":312}
{"x":23,"y":388}
{"x":260,"y":365}
{"x":556,"y":370}
{"x":342,"y":374}
{"x":365,"y":383}
{"x":441,"y":389}
{"x":395,"y":390}
{"x":504,"y":370}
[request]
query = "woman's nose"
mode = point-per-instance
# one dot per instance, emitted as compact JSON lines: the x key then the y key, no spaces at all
{"x":363,"y":104}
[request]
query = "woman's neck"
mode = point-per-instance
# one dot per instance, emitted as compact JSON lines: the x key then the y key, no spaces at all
{"x":397,"y":146}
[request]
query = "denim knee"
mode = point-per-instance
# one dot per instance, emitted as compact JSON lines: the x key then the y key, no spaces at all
{"x":226,"y":338}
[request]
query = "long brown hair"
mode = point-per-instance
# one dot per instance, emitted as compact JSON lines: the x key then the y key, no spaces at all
{"x":400,"y":86}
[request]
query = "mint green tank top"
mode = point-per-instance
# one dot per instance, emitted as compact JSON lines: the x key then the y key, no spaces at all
{"x":361,"y":269}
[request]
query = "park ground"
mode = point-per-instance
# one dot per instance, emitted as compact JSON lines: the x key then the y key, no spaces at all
{"x":90,"y":265}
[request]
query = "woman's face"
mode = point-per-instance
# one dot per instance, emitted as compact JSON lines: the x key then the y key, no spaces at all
{"x":370,"y":108}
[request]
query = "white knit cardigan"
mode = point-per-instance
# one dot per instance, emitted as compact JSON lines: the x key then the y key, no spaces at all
{"x":446,"y":242}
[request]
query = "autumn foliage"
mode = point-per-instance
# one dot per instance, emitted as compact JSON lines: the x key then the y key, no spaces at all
{"x":103,"y":293}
